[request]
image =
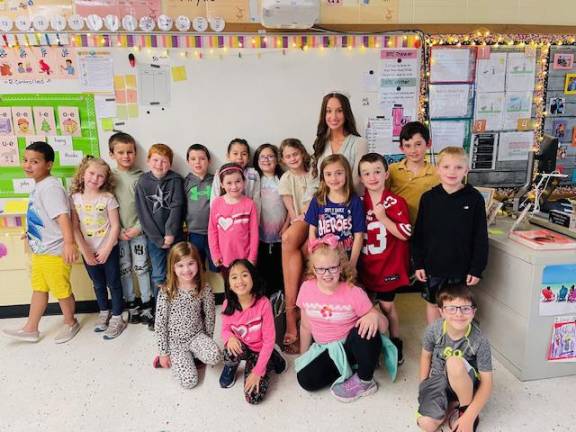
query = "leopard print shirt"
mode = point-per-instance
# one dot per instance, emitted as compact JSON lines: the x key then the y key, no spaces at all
{"x":179,"y":320}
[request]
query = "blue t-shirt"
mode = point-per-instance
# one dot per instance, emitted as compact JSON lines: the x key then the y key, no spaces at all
{"x":339,"y":219}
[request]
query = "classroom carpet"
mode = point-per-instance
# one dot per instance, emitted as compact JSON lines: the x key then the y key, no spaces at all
{"x":90,"y":384}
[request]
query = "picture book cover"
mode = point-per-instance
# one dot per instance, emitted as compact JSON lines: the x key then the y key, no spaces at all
{"x":543,"y":239}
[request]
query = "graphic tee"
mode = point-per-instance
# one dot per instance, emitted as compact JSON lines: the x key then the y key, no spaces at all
{"x":342,"y":220}
{"x":93,"y":216}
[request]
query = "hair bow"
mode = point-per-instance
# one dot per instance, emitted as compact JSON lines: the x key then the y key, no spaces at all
{"x":329,"y":240}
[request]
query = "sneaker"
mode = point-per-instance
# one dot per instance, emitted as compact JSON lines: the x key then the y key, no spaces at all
{"x":22,"y":335}
{"x":353,"y":388}
{"x":133,"y":312}
{"x":102,"y":321}
{"x":398,"y":344}
{"x":146,"y":316}
{"x":456,"y":414}
{"x":228,"y":376}
{"x":67,"y":332}
{"x":279,"y":363}
{"x":115,"y":327}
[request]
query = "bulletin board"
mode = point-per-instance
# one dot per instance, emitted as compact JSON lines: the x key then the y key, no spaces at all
{"x":561,"y":107}
{"x":482,"y":98}
{"x":69,"y":148}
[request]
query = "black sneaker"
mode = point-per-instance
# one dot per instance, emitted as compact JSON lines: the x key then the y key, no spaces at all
{"x":456,"y":414}
{"x":398,"y":344}
{"x":228,"y":376}
{"x":133,"y":312}
{"x":146,"y":315}
{"x":279,"y":363}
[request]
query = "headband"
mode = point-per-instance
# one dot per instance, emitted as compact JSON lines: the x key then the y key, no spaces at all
{"x":329,"y":240}
{"x":232,"y":168}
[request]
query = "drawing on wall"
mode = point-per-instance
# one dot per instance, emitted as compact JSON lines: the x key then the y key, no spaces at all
{"x":558,"y":290}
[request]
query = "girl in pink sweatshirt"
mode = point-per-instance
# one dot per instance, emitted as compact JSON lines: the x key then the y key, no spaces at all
{"x":233,"y":224}
{"x":248,"y":332}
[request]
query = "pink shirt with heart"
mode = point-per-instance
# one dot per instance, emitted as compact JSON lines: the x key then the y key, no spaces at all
{"x":255,"y":328}
{"x":233,"y":230}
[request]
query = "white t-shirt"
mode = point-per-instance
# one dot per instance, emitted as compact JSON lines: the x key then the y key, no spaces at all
{"x":47,"y":201}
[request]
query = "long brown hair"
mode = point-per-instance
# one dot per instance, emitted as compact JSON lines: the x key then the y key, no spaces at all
{"x":178,"y":252}
{"x":323,"y":189}
{"x":323,"y":132}
{"x":295,"y":143}
{"x":77,"y":185}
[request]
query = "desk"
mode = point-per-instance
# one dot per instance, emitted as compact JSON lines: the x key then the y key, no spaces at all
{"x":508,"y":305}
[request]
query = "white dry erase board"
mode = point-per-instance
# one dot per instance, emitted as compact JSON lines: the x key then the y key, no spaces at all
{"x":264,"y":95}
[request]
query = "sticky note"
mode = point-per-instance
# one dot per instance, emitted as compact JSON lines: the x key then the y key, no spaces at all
{"x":122,"y":112}
{"x":131,"y":96}
{"x":131,"y":81}
{"x":495,"y":231}
{"x":132,"y":110}
{"x":120,"y":96}
{"x":179,"y":73}
{"x":15,"y":206}
{"x":107,"y":124}
{"x":119,"y":82}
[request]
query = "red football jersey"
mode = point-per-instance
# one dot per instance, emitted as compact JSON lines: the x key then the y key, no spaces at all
{"x":385,"y":259}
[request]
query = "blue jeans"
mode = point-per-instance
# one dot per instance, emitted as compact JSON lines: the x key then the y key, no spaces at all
{"x":158,"y":258}
{"x":201,"y":243}
{"x":106,"y":276}
{"x":134,"y":258}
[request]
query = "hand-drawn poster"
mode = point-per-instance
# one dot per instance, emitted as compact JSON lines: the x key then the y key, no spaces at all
{"x":136,"y":8}
{"x":188,"y":8}
{"x":491,"y":73}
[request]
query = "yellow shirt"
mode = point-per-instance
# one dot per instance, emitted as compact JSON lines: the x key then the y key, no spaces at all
{"x":411,"y":186}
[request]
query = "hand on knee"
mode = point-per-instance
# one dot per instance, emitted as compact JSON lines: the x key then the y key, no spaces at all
{"x":428,"y":424}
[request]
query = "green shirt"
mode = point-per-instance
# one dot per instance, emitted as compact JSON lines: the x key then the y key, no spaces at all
{"x":126,"y":197}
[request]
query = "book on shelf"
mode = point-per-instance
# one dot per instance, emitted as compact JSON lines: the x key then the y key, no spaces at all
{"x":543,"y":239}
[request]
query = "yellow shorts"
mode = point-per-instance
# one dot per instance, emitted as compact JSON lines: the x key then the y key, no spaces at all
{"x":51,"y":274}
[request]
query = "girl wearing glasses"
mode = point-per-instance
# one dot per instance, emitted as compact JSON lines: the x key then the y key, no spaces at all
{"x":340,"y":319}
{"x":273,"y":217}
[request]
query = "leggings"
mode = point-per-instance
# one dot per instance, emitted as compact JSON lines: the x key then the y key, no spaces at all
{"x":322,"y":372}
{"x":200,"y":346}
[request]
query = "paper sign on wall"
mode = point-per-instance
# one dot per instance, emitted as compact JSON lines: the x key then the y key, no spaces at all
{"x":23,"y":186}
{"x":69,"y":120}
{"x":22,"y":121}
{"x":9,"y":151}
{"x":71,"y":158}
{"x":61,"y":143}
{"x":6,"y":121}
{"x":44,"y":120}
{"x":515,"y":145}
{"x":33,"y":138}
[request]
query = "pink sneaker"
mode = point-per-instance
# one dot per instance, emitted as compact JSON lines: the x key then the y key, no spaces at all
{"x":353,"y":388}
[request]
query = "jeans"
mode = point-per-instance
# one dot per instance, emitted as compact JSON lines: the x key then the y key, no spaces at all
{"x":158,"y":258}
{"x":201,"y":243}
{"x":106,"y":276}
{"x":134,"y":257}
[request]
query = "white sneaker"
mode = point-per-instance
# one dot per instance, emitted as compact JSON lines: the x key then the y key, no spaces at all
{"x":115,"y":327}
{"x":67,"y":332}
{"x":102,"y":321}
{"x":22,"y":335}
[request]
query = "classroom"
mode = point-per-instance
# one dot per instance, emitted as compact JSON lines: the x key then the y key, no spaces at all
{"x":234,"y":214}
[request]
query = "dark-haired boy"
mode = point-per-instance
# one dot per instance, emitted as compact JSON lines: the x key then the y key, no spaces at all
{"x":132,"y":243}
{"x":198,"y":187}
{"x":51,"y":239}
{"x":413,"y":175}
{"x":455,"y":364}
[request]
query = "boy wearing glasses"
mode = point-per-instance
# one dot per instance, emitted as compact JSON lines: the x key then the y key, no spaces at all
{"x":455,"y":364}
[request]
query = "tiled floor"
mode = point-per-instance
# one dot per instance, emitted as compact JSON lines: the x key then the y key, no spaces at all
{"x":94,"y":385}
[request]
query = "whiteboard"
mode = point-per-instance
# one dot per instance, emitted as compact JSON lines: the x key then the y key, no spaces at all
{"x":265,"y":95}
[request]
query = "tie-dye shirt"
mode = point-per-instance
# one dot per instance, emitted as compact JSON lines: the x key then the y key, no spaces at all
{"x":273,"y":213}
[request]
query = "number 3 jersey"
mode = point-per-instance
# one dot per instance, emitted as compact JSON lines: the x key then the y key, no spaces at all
{"x":384,"y":261}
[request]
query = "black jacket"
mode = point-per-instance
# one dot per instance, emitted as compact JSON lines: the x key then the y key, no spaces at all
{"x":451,"y":235}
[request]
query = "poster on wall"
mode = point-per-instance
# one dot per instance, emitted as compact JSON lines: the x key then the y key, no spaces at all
{"x":520,"y":72}
{"x":452,"y":65}
{"x":136,"y":8}
{"x":451,"y":101}
{"x":96,"y":71}
{"x":491,"y":73}
{"x":558,"y":290}
{"x":514,"y":146}
{"x":488,"y":110}
{"x":563,"y":340}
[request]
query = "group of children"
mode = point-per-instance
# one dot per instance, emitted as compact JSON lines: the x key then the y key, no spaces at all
{"x":125,"y":221}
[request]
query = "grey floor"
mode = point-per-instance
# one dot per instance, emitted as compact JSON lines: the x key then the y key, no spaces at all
{"x":94,"y":385}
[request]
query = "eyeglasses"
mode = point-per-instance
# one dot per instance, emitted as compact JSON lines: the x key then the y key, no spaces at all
{"x":323,"y":270}
{"x":465,"y":310}
{"x":266,"y":158}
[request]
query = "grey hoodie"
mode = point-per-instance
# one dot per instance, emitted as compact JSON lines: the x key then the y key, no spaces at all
{"x":160,"y":206}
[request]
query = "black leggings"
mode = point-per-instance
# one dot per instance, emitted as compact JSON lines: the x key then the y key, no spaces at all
{"x":322,"y":372}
